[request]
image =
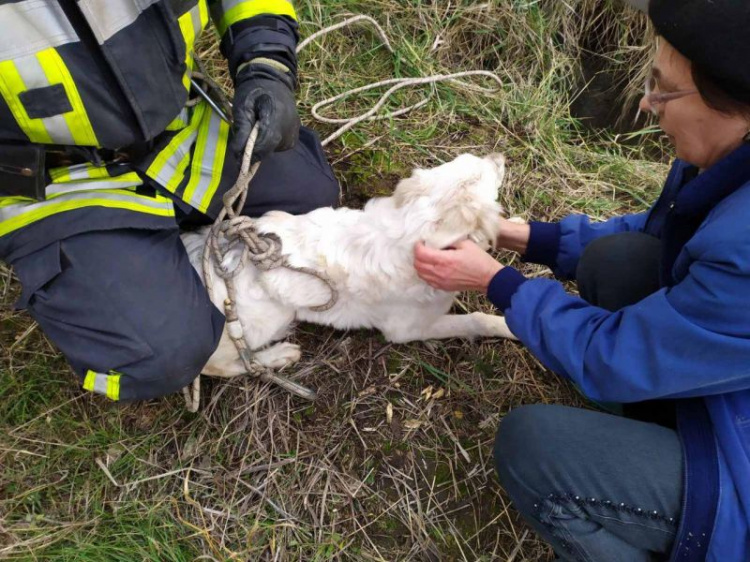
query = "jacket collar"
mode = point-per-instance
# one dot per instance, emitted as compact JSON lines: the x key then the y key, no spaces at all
{"x":703,"y":192}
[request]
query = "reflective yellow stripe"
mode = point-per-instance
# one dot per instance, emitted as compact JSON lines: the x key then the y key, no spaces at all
{"x":179,"y":173}
{"x":11,"y":85}
{"x":188,"y":35}
{"x":8,"y":201}
{"x":82,"y":177}
{"x":64,"y":174}
{"x":208,"y":161}
{"x":170,"y":153}
{"x":49,"y":208}
{"x":113,"y":386}
{"x":60,"y":175}
{"x":98,"y":172}
{"x":253,"y":8}
{"x":195,"y":168}
{"x":203,"y":12}
{"x":88,"y":382}
{"x":77,"y":120}
{"x":179,"y":122}
{"x":101,"y":383}
{"x":218,"y":165}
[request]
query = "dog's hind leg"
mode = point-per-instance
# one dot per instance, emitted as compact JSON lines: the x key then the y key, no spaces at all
{"x":226,"y":362}
{"x":278,"y":356}
{"x":472,"y":325}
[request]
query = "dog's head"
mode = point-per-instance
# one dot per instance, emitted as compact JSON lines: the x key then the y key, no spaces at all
{"x":457,"y":200}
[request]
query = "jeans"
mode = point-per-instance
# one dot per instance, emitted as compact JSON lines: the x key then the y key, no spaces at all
{"x":598,"y":487}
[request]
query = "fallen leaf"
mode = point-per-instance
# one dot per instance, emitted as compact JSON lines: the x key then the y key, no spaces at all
{"x":114,"y":453}
{"x":367,"y":391}
{"x":389,"y":413}
{"x":412,"y":424}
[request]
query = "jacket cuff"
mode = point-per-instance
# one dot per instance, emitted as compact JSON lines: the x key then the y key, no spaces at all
{"x":503,"y":286}
{"x":269,"y":37}
{"x":544,"y":243}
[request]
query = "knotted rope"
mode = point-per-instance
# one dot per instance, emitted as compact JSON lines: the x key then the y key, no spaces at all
{"x":264,"y":251}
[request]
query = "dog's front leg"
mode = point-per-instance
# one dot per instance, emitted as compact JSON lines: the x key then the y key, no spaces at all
{"x":476,"y":324}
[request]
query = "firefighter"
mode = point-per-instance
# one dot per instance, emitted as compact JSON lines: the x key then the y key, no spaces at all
{"x":103,"y":161}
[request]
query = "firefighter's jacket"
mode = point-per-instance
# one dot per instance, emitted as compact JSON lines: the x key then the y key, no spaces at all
{"x":111,"y":76}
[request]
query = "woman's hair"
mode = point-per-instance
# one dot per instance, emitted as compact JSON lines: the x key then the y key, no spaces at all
{"x":720,"y":95}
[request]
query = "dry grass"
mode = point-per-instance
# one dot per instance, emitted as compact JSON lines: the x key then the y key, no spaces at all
{"x":393,"y":462}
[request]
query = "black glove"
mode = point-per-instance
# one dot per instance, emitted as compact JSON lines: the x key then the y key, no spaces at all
{"x":270,"y":103}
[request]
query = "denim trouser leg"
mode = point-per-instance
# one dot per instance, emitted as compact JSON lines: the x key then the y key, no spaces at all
{"x":599,"y":488}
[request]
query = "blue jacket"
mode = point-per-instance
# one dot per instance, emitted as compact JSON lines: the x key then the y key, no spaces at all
{"x":689,"y":341}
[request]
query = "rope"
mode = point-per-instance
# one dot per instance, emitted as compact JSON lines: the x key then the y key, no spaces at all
{"x":395,"y":83}
{"x":399,"y":83}
{"x":264,"y":251}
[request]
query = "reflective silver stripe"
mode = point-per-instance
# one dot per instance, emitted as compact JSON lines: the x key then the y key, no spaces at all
{"x":168,"y":171}
{"x":89,"y":185}
{"x":219,"y":7}
{"x":226,"y":5}
{"x":78,"y":172}
{"x":33,"y":76}
{"x":207,"y":162}
{"x":184,"y":116}
{"x":100,"y":383}
{"x":13,"y":211}
{"x":31,"y":26}
{"x":195,"y":15}
{"x":107,"y":17}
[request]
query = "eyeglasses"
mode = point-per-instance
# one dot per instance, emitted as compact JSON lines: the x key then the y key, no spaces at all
{"x":657,"y":100}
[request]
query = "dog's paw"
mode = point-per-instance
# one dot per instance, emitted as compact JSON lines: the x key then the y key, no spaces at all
{"x":492,"y":326}
{"x":278,"y":356}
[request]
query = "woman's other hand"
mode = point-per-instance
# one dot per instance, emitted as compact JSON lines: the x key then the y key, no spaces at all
{"x":514,"y":235}
{"x":462,"y":267}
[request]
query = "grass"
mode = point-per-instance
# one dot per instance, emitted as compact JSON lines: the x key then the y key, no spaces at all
{"x":256,"y":475}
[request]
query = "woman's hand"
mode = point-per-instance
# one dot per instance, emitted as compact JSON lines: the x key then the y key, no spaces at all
{"x":514,"y":235}
{"x":463,"y":267}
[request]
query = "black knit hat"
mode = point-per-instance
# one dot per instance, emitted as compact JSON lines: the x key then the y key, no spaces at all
{"x":713,"y":34}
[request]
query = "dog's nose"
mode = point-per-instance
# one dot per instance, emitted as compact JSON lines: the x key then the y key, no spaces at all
{"x":497,"y":159}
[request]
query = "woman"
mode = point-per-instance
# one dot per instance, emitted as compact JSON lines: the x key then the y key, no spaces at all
{"x":664,"y":315}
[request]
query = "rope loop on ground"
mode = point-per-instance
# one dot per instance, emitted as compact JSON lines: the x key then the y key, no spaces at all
{"x":395,"y":84}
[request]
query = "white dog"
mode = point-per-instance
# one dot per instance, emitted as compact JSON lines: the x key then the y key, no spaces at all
{"x":368,"y":255}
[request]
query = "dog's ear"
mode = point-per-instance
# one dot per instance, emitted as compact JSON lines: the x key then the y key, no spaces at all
{"x":410,"y":189}
{"x":462,"y":215}
{"x":488,"y":227}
